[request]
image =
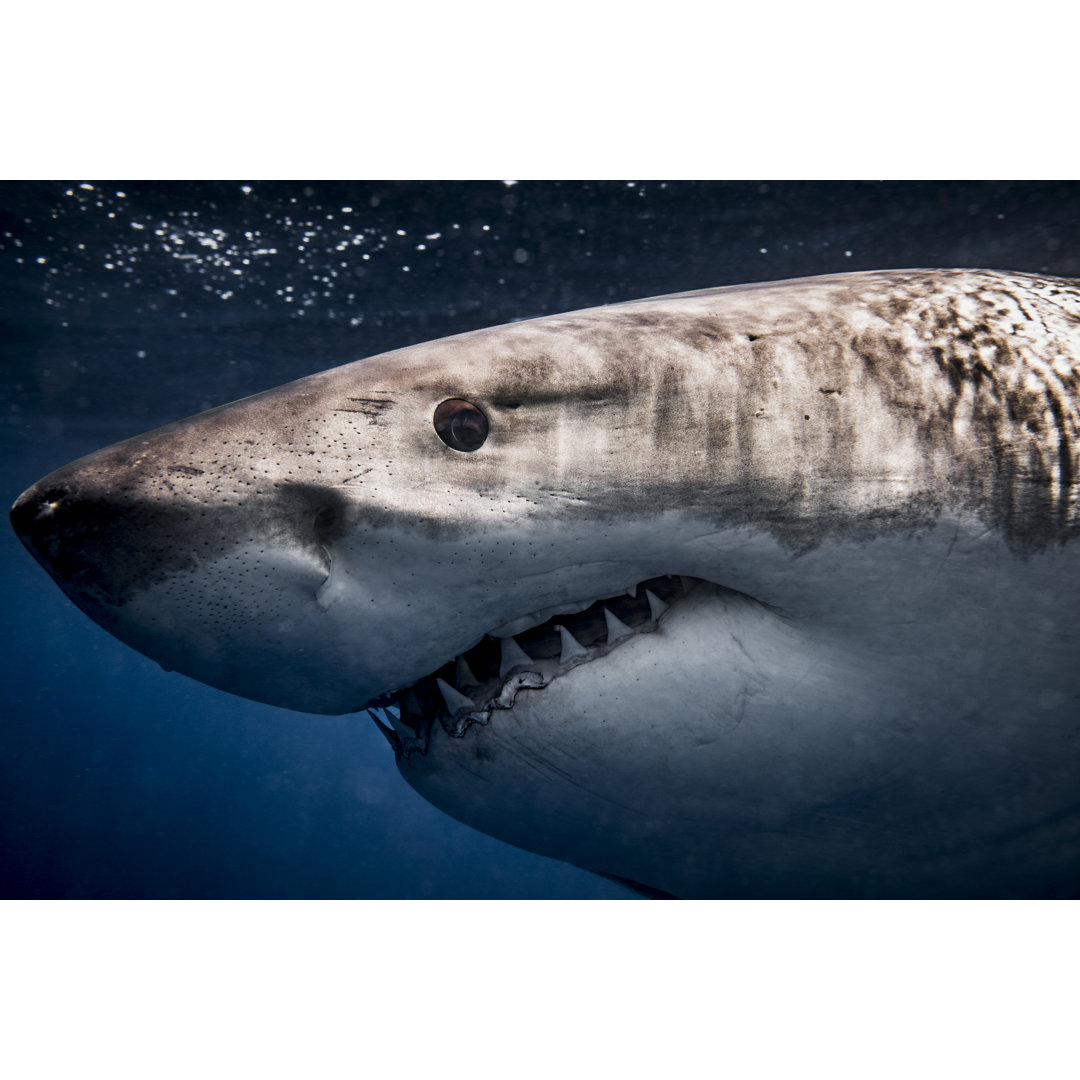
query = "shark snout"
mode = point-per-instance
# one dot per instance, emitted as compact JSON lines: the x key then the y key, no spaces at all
{"x":42,"y":516}
{"x":70,"y":531}
{"x":34,"y":512}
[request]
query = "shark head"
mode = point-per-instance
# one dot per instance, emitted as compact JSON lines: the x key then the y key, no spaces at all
{"x":320,"y":545}
{"x":686,"y":558}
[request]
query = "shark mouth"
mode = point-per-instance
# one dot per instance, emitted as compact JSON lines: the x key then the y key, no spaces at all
{"x":488,"y":677}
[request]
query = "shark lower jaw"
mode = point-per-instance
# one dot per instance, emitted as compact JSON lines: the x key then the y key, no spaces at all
{"x":488,"y":677}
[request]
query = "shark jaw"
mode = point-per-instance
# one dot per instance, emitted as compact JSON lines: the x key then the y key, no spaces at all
{"x":488,"y":677}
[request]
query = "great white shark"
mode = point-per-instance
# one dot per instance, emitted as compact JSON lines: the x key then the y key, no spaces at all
{"x":758,"y":591}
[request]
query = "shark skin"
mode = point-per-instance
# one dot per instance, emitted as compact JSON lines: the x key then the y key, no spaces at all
{"x":758,"y":591}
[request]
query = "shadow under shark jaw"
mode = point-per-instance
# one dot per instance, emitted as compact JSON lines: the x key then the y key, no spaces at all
{"x":488,"y":677}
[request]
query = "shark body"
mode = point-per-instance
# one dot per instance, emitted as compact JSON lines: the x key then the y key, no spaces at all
{"x":760,"y":591}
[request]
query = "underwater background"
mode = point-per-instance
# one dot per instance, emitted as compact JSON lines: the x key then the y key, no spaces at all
{"x":124,"y":306}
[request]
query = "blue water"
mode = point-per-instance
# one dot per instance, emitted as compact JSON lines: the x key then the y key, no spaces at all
{"x":125,"y":306}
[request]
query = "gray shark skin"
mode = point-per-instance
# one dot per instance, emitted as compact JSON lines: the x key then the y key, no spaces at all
{"x":765,"y":591}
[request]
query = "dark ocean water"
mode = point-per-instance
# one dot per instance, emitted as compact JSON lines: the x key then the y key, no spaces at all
{"x":124,"y":306}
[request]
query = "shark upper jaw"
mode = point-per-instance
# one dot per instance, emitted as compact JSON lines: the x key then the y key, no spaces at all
{"x":315,"y":587}
{"x":525,"y":654}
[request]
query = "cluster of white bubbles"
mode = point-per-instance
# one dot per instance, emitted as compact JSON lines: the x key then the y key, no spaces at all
{"x":98,"y":243}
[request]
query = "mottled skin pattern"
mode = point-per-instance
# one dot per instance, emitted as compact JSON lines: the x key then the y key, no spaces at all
{"x":880,"y":469}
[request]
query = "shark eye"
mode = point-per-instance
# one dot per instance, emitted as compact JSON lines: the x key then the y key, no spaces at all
{"x":461,"y":425}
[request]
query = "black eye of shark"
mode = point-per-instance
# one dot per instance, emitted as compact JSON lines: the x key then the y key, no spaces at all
{"x":461,"y":425}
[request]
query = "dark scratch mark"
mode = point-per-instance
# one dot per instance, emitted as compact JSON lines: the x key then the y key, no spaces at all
{"x":369,"y":407}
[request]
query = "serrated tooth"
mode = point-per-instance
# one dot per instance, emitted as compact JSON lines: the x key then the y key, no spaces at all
{"x":512,"y":656}
{"x":632,"y":591}
{"x":389,"y":734}
{"x":657,"y":607}
{"x":571,"y":647}
{"x":616,"y":628}
{"x":455,"y":702}
{"x":687,"y":583}
{"x":464,"y":674}
{"x":400,"y":723}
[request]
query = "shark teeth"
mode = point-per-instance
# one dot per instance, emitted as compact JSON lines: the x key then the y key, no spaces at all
{"x":455,"y":700}
{"x":657,"y":607}
{"x":404,"y":734}
{"x":571,"y":648}
{"x":463,"y":673}
{"x":391,"y":736}
{"x":470,"y":688}
{"x":616,"y":628}
{"x":512,"y":656}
